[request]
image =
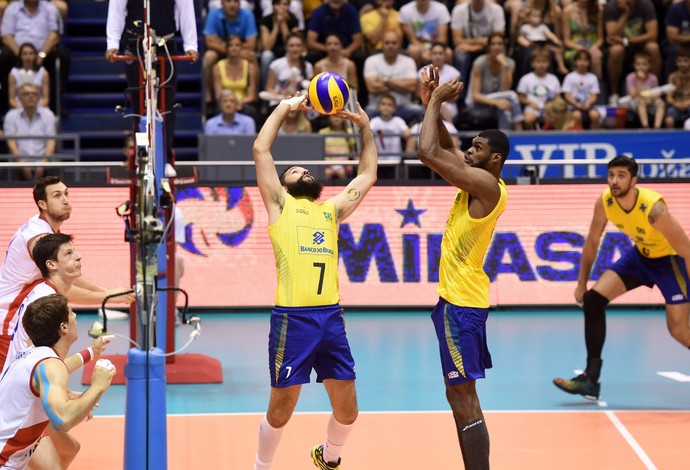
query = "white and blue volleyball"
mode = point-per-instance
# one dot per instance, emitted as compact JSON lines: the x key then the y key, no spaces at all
{"x":328,"y":92}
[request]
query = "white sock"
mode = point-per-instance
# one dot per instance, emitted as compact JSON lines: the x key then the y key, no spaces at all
{"x":335,"y":439}
{"x":269,"y":438}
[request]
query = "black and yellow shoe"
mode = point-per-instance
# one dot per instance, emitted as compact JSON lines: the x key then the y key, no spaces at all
{"x":580,"y":385}
{"x":317,"y":457}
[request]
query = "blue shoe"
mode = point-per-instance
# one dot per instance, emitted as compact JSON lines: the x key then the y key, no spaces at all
{"x":317,"y":457}
{"x":580,"y":385}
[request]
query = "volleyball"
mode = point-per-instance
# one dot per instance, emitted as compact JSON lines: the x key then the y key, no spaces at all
{"x":328,"y":92}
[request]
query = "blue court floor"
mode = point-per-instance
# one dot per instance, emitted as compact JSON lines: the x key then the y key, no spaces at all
{"x":398,"y":366}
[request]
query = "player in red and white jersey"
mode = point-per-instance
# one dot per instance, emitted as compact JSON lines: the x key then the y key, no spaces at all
{"x":51,"y":196}
{"x":23,"y":417}
{"x":19,"y":340}
{"x":60,"y":264}
{"x":33,"y":390}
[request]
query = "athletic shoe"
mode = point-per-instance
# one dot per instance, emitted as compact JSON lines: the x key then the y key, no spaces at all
{"x":580,"y":385}
{"x":317,"y":457}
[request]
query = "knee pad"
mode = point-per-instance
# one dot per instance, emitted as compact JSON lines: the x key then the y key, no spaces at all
{"x":593,"y":303}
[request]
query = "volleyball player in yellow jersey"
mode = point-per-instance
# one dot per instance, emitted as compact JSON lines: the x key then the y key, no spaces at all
{"x":307,"y":326}
{"x":660,"y":256}
{"x":461,"y":312}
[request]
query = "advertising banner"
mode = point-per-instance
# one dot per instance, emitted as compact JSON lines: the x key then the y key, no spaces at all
{"x":389,"y":248}
{"x":571,"y":146}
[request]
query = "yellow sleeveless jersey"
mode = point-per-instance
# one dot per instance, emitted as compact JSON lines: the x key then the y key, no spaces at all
{"x":650,"y":242}
{"x":305,"y":245}
{"x":462,"y":280}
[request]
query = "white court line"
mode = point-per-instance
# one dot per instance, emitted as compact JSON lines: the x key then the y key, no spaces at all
{"x":673,"y":375}
{"x":631,"y":440}
{"x":409,"y":412}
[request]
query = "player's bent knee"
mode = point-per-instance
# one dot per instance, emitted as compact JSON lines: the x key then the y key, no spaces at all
{"x":593,"y":303}
{"x":278,"y":419}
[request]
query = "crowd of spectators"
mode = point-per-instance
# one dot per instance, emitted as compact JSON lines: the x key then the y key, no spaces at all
{"x":516,"y":57}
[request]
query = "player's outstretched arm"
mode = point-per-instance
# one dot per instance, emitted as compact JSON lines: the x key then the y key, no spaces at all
{"x":450,"y":163}
{"x":589,"y":250}
{"x":272,"y":192}
{"x":351,"y":197}
{"x":661,"y":219}
{"x":50,"y":381}
{"x":87,"y":292}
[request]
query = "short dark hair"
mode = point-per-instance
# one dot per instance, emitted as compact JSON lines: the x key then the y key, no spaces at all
{"x":626,"y":162}
{"x":683,"y":52}
{"x":498,"y":142}
{"x":40,"y":187}
{"x":43,"y":318}
{"x":496,"y":34}
{"x":583,"y":54}
{"x":47,"y":248}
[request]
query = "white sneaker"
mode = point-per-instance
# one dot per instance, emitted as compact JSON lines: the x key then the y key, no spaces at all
{"x":613,"y":100}
{"x":170,"y":171}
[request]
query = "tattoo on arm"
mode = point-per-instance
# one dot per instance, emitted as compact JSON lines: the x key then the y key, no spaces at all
{"x":656,"y":212}
{"x":353,"y":194}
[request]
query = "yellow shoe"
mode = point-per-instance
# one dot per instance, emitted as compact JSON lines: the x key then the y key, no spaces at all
{"x":317,"y":457}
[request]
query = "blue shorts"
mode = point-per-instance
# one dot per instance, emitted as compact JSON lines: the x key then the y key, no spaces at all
{"x":461,"y":333}
{"x":306,"y":338}
{"x":667,"y":272}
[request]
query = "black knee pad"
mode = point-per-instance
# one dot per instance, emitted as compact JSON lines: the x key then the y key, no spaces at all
{"x":593,"y":303}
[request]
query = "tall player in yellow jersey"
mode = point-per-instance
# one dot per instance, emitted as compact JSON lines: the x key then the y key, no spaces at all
{"x":307,"y":326}
{"x":461,"y":312}
{"x":660,"y":257}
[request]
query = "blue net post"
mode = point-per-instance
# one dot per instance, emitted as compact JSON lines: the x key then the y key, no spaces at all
{"x":145,"y":420}
{"x":145,"y":425}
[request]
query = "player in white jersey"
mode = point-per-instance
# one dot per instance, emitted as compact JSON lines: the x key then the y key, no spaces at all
{"x":18,"y":268}
{"x":33,"y":391}
{"x":60,"y":266}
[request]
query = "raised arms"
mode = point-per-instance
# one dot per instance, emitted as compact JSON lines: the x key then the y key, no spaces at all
{"x":350,"y":198}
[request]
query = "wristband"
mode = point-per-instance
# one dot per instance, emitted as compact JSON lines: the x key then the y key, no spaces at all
{"x":625,"y":42}
{"x":86,"y":355}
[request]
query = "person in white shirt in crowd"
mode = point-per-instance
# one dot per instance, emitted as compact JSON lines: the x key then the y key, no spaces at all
{"x":389,"y":133}
{"x":581,"y":90}
{"x":395,"y":74}
{"x":537,"y":88}
{"x":424,"y":22}
{"x":471,"y":24}
{"x":30,"y":119}
{"x":29,"y":71}
{"x":535,"y":34}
